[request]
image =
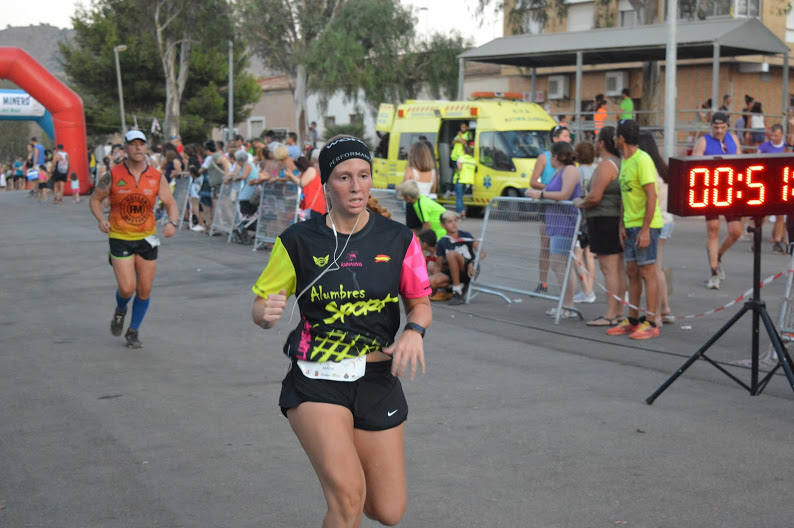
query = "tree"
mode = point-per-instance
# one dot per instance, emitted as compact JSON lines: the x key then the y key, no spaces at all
{"x":281,"y":32}
{"x":369,"y":39}
{"x":376,"y":52}
{"x":326,"y":46}
{"x":89,"y":65}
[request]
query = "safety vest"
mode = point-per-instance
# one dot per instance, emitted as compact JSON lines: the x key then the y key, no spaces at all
{"x":457,"y":148}
{"x":467,"y":169}
{"x":132,"y":204}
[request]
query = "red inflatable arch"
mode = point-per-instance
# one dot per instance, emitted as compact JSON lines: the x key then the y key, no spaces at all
{"x":65,"y":106}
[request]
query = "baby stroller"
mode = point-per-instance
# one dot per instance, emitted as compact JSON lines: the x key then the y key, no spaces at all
{"x":246,"y":215}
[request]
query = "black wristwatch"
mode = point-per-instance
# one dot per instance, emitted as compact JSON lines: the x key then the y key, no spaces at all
{"x":175,"y":224}
{"x":415,"y":327}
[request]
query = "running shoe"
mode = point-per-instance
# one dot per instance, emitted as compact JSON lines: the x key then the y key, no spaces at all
{"x":132,"y":339}
{"x":668,"y":318}
{"x":197,"y":227}
{"x":456,"y":299}
{"x":623,"y":328}
{"x":714,"y":282}
{"x":541,"y":288}
{"x":777,"y":247}
{"x":117,"y":323}
{"x":645,"y":330}
{"x":721,"y":269}
{"x":583,"y":297}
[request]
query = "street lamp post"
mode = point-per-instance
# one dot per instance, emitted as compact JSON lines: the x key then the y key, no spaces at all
{"x":116,"y":50}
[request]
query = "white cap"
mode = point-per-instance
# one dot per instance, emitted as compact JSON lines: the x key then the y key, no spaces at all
{"x":133,"y":135}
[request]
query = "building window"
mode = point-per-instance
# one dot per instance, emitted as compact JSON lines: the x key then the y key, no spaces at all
{"x":530,"y":26}
{"x":329,"y":121}
{"x":580,"y":16}
{"x":790,"y":25}
{"x":628,"y":18}
{"x":747,"y":8}
{"x":256,"y":125}
{"x":703,"y":9}
{"x":356,"y":119}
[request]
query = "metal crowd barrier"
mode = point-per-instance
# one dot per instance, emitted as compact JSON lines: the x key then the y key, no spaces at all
{"x":279,"y":207}
{"x":181,"y":192}
{"x":388,"y":199}
{"x":785,"y":324}
{"x":519,"y":258}
{"x":225,"y":215}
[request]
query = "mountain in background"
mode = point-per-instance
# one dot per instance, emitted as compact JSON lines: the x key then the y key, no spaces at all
{"x":40,"y":42}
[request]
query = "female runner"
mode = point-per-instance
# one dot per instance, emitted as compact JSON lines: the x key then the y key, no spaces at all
{"x":342,"y":394}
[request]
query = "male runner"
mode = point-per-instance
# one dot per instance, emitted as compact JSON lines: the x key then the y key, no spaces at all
{"x":719,"y":142}
{"x":132,"y":187}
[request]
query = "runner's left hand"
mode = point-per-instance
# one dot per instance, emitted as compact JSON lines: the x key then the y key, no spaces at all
{"x":407,"y":350}
{"x":169,"y":230}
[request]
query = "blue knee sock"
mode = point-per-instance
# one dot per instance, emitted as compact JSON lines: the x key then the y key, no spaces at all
{"x":121,"y":302}
{"x":139,"y":307}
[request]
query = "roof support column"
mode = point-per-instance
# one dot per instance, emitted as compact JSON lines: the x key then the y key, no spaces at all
{"x":461,"y":68}
{"x":670,"y":86}
{"x":715,"y":78}
{"x":578,"y":99}
{"x":785,"y":90}
{"x":533,"y":85}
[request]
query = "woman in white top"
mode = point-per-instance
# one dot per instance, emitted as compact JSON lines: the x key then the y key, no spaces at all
{"x":585,"y":156}
{"x":758,"y":135}
{"x":421,"y":168}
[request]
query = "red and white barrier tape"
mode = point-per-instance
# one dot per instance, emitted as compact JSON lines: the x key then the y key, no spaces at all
{"x":743,"y":296}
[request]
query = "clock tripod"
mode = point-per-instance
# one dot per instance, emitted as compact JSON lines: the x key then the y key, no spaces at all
{"x":758,"y":309}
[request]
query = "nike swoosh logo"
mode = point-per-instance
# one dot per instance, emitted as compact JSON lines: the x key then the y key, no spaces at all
{"x":392,"y":412}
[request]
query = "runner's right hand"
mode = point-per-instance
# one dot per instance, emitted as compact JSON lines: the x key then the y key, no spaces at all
{"x":104,"y":226}
{"x":274,"y":306}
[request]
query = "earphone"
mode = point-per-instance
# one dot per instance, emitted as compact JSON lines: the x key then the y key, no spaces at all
{"x":335,"y":261}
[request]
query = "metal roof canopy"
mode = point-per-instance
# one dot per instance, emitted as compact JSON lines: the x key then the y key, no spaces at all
{"x":694,"y":40}
{"x":735,"y":37}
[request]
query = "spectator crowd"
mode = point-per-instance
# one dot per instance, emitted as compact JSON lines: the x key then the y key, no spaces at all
{"x":616,"y":176}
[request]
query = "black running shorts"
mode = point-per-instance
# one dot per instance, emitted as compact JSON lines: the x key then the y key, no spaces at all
{"x":603,"y":234}
{"x":376,"y":400}
{"x":123,"y":249}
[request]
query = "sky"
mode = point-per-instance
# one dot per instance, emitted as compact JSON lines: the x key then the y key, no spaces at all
{"x":432,"y":15}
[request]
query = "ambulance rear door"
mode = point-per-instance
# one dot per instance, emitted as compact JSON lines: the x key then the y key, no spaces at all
{"x":414,"y":122}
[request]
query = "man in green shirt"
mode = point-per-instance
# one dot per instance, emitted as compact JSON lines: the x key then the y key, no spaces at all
{"x":626,"y":106}
{"x":639,"y":231}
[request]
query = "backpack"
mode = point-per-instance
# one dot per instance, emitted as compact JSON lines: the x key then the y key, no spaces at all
{"x":215,"y":172}
{"x":63,"y":163}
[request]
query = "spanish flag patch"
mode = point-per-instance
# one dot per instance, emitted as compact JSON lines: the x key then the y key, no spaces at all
{"x":382,"y":258}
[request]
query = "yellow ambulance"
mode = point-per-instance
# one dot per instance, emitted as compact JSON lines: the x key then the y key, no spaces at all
{"x":508,"y":136}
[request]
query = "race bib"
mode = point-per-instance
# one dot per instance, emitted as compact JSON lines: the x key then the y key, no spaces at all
{"x":345,"y":370}
{"x":153,"y":240}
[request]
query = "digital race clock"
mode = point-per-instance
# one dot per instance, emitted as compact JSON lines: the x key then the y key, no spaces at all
{"x":752,"y":185}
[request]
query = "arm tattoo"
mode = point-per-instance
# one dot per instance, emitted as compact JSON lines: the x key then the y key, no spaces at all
{"x":104,"y":182}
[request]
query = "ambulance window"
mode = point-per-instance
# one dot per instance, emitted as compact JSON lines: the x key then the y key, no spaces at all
{"x":409,"y":138}
{"x":523,"y":143}
{"x":382,"y":150}
{"x":493,"y":152}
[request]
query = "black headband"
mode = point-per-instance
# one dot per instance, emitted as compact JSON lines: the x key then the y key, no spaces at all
{"x":340,"y":150}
